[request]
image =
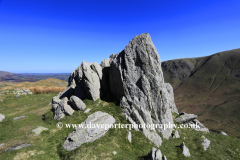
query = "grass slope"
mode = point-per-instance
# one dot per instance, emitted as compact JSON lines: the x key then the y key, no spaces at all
{"x":49,"y":144}
{"x":211,"y":90}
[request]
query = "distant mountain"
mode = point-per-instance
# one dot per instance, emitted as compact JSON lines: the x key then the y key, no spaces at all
{"x":4,"y":73}
{"x":209,"y":87}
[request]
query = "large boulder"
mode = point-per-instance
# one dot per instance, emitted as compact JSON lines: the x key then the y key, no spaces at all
{"x":61,"y":107}
{"x":83,"y":135}
{"x":87,"y":80}
{"x":136,"y":79}
{"x":77,"y":103}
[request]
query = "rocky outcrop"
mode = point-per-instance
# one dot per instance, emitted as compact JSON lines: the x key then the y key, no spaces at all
{"x":102,"y":122}
{"x":136,"y":79}
{"x":61,"y":107}
{"x":134,"y":76}
{"x":86,"y":79}
{"x":191,"y":120}
{"x":154,"y":154}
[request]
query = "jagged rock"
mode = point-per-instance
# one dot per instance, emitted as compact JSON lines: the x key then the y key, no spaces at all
{"x":164,"y":157}
{"x":105,"y":63}
{"x":87,"y":81}
{"x":87,"y":110}
{"x":205,"y":143}
{"x":38,"y":130}
{"x":223,"y":133}
{"x":154,"y":154}
{"x":129,"y":137}
{"x":171,"y":102}
{"x":136,"y":79}
{"x":77,"y":103}
{"x":55,"y":100}
{"x":17,"y":118}
{"x":2,"y":117}
{"x":89,"y":134}
{"x":176,"y":135}
{"x":185,"y":151}
{"x":17,"y":147}
{"x":184,"y":118}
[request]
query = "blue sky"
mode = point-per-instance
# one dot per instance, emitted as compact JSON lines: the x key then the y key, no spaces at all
{"x":55,"y":36}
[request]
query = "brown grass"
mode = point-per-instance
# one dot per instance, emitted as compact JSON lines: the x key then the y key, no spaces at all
{"x":45,"y":90}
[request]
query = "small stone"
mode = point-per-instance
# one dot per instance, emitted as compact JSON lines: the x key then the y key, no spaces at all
{"x":2,"y":145}
{"x":17,"y":96}
{"x":129,"y":137}
{"x":205,"y":143}
{"x":21,"y":117}
{"x":87,"y":110}
{"x":114,"y":152}
{"x":176,"y":135}
{"x":2,"y":117}
{"x":1,"y":100}
{"x":17,"y":147}
{"x":223,"y":133}
{"x":164,"y":157}
{"x":185,"y":151}
{"x":38,"y":130}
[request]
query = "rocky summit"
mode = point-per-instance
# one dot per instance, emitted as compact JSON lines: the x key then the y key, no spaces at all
{"x":135,"y":78}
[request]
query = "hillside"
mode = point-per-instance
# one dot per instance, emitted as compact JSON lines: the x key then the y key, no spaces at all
{"x":209,"y":87}
{"x":3,"y":73}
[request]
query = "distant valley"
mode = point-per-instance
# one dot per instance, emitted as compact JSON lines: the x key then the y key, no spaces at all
{"x":209,"y":87}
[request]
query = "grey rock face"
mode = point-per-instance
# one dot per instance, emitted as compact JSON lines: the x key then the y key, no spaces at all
{"x":154,"y":154}
{"x":2,"y":117}
{"x":84,"y":135}
{"x":77,"y":103}
{"x":184,"y":118}
{"x":171,"y":102}
{"x":61,"y":108}
{"x":87,"y":80}
{"x":205,"y":143}
{"x":38,"y":130}
{"x":176,"y":135}
{"x":136,"y":79}
{"x":185,"y":151}
{"x":17,"y":147}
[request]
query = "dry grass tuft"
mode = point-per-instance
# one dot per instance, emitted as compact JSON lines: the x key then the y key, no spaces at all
{"x":46,"y":90}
